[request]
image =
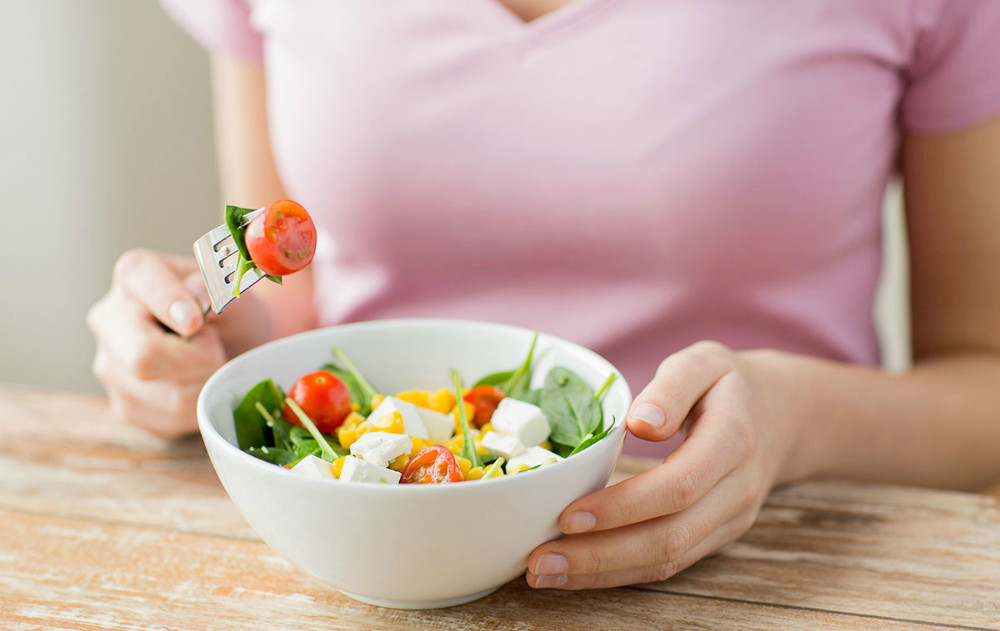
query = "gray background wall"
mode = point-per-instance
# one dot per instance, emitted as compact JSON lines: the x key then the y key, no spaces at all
{"x":106,"y":144}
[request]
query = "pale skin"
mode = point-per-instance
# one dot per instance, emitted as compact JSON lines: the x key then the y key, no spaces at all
{"x":752,"y":419}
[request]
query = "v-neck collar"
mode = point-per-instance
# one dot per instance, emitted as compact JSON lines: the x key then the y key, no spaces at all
{"x":542,"y":26}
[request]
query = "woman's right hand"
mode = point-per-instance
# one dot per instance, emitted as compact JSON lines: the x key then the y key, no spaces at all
{"x":153,"y":372}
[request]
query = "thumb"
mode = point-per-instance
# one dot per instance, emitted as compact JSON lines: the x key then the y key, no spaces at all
{"x":680,"y":382}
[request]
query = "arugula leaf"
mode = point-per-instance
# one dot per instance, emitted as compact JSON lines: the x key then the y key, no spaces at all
{"x":468,"y":444}
{"x":274,"y":455}
{"x":252,"y":429}
{"x":570,"y":406}
{"x":366,"y":389}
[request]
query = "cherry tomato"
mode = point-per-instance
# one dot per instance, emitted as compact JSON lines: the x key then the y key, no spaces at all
{"x":432,"y":465}
{"x":282,"y":239}
{"x":323,"y":397}
{"x":485,"y":399}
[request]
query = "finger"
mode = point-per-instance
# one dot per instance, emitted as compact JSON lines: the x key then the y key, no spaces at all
{"x":163,"y":407}
{"x":642,"y":544}
{"x":132,"y":340}
{"x":680,"y":381}
{"x":697,"y":465}
{"x":648,"y":573}
{"x":166,"y":397}
{"x":156,"y":282}
{"x":158,"y":423}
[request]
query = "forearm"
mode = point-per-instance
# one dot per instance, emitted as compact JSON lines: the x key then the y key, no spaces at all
{"x":936,"y":425}
{"x":249,"y":177}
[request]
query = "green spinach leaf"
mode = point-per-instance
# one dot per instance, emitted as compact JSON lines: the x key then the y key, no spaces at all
{"x":495,"y":379}
{"x":251,"y":427}
{"x":357,"y":392}
{"x":587,"y":442}
{"x":570,"y":406}
{"x":281,"y":429}
{"x":534,"y":396}
{"x":328,"y":452}
{"x":274,"y":455}
{"x":237,"y":224}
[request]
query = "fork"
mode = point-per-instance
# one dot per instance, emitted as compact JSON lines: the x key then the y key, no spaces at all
{"x":217,"y":256}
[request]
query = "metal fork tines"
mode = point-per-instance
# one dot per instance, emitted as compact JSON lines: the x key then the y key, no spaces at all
{"x":217,"y":256}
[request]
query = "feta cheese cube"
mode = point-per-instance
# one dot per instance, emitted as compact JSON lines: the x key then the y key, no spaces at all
{"x":500,"y":445}
{"x":413,"y":424}
{"x":523,"y":421}
{"x":381,"y":448}
{"x":358,"y":470}
{"x":313,"y":467}
{"x":440,"y":427}
{"x":531,"y":457}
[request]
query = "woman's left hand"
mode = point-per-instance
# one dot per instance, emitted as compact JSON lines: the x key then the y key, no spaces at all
{"x":739,"y":434}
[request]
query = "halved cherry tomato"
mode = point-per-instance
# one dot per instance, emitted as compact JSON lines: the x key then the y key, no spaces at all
{"x":432,"y":465}
{"x":282,"y":239}
{"x":323,"y":397}
{"x":485,"y":399}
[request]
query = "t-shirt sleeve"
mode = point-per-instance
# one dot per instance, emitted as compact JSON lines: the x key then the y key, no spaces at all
{"x":218,"y":25}
{"x":954,"y":78}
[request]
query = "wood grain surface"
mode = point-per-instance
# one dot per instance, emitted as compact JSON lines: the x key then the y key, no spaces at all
{"x":105,"y":527}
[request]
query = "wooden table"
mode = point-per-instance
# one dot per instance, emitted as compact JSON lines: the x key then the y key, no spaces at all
{"x":105,"y":527}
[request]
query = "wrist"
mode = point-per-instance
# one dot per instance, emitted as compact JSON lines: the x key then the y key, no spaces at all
{"x":800,"y":443}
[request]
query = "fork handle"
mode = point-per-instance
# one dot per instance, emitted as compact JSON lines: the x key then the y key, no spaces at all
{"x":204,"y":304}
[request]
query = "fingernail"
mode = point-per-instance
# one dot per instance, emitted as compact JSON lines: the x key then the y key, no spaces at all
{"x":182,"y":314}
{"x":649,"y":414}
{"x":557,"y":580}
{"x":578,"y":522}
{"x":552,"y":564}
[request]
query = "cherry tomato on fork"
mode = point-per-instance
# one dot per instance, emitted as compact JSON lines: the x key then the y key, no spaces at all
{"x":485,"y":399}
{"x":323,"y":397}
{"x":282,"y":239}
{"x":432,"y":465}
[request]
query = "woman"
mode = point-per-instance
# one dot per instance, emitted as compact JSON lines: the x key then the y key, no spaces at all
{"x":639,"y":176}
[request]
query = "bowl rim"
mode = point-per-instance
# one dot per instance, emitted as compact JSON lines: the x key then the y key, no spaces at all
{"x":211,"y":436}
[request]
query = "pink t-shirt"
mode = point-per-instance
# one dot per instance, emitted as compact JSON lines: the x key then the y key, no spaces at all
{"x":633,"y":175}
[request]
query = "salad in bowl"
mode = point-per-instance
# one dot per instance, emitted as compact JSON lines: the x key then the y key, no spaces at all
{"x":420,"y":462}
{"x":334,"y":424}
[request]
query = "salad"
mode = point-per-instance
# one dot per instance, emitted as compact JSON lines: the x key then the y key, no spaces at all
{"x":334,"y":424}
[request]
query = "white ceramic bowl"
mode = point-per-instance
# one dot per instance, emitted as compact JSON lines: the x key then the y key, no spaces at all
{"x":407,"y":546}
